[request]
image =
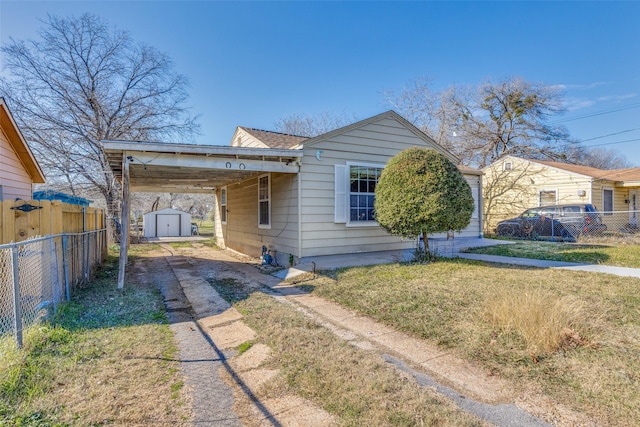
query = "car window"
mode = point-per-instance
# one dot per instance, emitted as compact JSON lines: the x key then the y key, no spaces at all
{"x":548,"y":211}
{"x":530,"y":213}
{"x":571,"y":209}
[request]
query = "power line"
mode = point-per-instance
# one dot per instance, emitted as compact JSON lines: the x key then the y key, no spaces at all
{"x":610,"y":134}
{"x":615,"y":142}
{"x":598,"y":113}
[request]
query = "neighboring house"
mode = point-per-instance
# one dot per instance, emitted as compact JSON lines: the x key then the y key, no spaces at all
{"x":19,"y":169}
{"x":327,"y":207}
{"x":513,"y":184}
{"x":167,"y":223}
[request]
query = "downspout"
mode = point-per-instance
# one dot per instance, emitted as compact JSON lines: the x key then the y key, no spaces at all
{"x":299,"y":215}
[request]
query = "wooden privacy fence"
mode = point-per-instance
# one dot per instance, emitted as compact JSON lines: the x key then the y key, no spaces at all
{"x":46,"y":217}
{"x":47,"y":249}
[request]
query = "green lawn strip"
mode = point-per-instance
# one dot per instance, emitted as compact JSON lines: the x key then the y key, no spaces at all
{"x":596,"y":372}
{"x":356,"y":386}
{"x":106,"y":358}
{"x":621,"y":255}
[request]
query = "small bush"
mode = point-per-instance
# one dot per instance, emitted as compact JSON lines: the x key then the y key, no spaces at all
{"x":545,"y":322}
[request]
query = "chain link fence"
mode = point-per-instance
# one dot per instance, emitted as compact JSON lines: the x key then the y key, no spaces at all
{"x":584,"y":227}
{"x":36,"y":275}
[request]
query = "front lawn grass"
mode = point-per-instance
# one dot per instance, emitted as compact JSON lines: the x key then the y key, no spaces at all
{"x":621,"y":255}
{"x":486,"y":313}
{"x":355,"y":385}
{"x":107,"y":358}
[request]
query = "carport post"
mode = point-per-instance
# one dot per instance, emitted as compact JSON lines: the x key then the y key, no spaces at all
{"x":124,"y":233}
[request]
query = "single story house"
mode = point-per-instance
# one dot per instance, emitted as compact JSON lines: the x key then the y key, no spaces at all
{"x":327,"y":207}
{"x":167,"y":223}
{"x":513,"y":184}
{"x":298,"y":197}
{"x":19,"y":169}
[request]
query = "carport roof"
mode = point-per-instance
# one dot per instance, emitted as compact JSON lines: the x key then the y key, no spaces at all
{"x":192,"y":168}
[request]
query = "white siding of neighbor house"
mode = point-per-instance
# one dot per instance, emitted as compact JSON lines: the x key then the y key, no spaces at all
{"x":15,"y":181}
{"x":373,"y":143}
{"x":241,"y":231}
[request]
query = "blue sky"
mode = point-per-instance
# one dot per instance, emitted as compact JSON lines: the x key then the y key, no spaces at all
{"x":251,"y":63}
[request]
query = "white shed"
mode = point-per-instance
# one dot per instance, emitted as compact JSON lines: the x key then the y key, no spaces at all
{"x":167,"y":223}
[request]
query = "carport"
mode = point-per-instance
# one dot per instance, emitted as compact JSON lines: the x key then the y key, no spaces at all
{"x":186,"y":168}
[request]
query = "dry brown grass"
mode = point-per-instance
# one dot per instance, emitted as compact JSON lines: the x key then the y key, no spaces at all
{"x":545,"y":322}
{"x":595,"y":325}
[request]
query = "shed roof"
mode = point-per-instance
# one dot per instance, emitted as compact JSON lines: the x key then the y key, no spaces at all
{"x":19,"y":144}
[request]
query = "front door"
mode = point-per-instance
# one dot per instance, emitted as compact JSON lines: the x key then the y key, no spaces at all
{"x":633,"y":208}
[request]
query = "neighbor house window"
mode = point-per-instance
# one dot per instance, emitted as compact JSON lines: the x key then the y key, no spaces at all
{"x":547,"y":197}
{"x":264,"y":202}
{"x":607,"y":201}
{"x":223,"y":205}
{"x":362,"y":187}
{"x":507,"y":166}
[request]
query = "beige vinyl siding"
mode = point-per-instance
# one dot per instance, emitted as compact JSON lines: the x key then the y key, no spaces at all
{"x":373,"y":144}
{"x":241,"y":232}
{"x":14,"y":178}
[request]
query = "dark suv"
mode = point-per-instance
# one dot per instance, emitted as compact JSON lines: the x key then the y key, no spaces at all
{"x":559,"y":221}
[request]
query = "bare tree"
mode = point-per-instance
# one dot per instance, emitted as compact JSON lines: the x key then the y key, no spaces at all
{"x":506,"y":192}
{"x":601,"y":158}
{"x":484,"y":123}
{"x":310,"y":126}
{"x":82,"y":82}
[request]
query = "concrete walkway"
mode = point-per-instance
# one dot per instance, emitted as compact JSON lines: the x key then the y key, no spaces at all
{"x":449,"y":249}
{"x":541,"y":263}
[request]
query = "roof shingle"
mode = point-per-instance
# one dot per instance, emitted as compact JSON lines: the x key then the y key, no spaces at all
{"x":629,"y":174}
{"x":275,"y":139}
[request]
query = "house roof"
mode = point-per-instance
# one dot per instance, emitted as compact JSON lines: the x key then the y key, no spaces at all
{"x":19,"y":144}
{"x":627,"y":175}
{"x":387,"y":114}
{"x":469,"y":170}
{"x":275,"y":139}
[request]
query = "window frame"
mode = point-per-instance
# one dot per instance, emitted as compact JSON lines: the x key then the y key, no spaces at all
{"x":356,"y":223}
{"x":555,"y":201}
{"x":608,"y":212}
{"x":266,"y":200}
{"x":223,"y":205}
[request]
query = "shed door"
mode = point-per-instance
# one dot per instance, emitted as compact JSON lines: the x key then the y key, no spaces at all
{"x":168,"y":225}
